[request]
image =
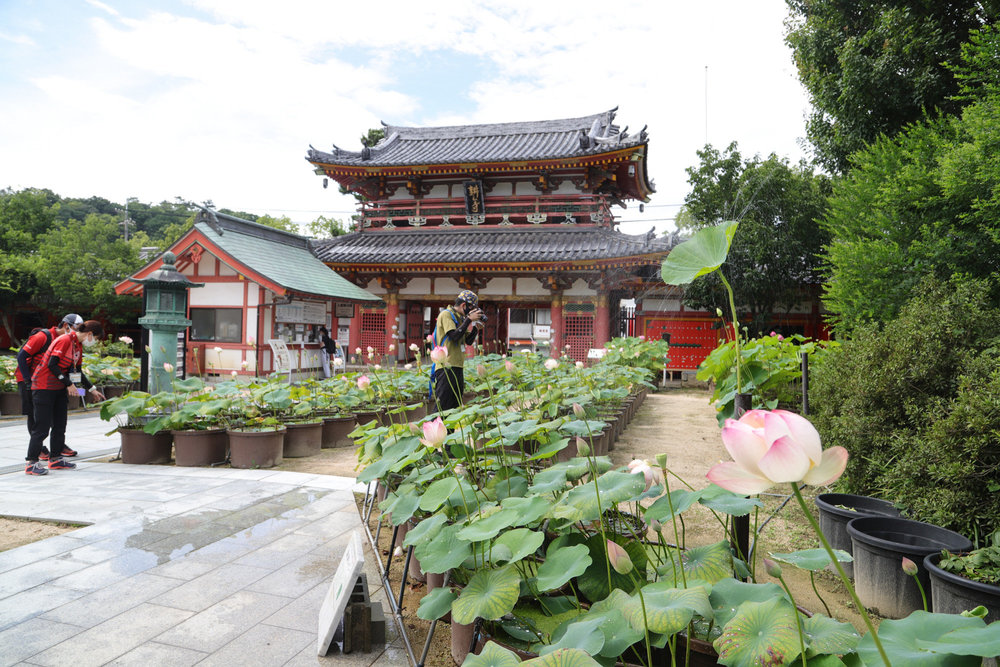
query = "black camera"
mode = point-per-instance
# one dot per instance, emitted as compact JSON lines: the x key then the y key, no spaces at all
{"x":482,"y":313}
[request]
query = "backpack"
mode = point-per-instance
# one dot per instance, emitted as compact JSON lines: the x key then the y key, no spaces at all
{"x":38,"y":355}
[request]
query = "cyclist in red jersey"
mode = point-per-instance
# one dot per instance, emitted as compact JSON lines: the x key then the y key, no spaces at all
{"x":28,"y":358}
{"x":55,"y":379}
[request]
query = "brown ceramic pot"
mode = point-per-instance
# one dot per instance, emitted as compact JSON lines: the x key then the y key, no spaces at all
{"x":200,"y":448}
{"x":335,"y":432}
{"x":141,"y":448}
{"x":256,"y":449}
{"x":303,"y":439}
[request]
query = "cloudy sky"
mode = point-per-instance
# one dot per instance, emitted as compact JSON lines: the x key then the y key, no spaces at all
{"x":220,"y":99}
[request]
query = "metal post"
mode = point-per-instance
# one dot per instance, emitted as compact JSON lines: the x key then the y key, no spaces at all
{"x":741,"y":524}
{"x":430,"y":632}
{"x":402,"y":578}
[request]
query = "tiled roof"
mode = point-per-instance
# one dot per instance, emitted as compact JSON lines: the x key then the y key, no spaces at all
{"x":499,"y":142}
{"x":282,"y":257}
{"x":564,"y":244}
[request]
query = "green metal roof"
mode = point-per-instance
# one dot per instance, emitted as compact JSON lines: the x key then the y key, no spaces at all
{"x":279,"y":256}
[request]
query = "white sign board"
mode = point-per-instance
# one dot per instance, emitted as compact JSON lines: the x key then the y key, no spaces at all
{"x":339,"y":593}
{"x":282,"y":358}
{"x":542,"y":331}
{"x":596,"y":352}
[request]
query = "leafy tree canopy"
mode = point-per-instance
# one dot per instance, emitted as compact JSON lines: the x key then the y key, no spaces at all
{"x":326,"y":228}
{"x":873,"y":66}
{"x":925,"y":203}
{"x":774,"y":257}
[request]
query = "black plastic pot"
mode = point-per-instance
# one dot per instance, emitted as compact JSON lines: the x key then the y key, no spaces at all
{"x":880,"y":544}
{"x":836,"y":509}
{"x":954,"y":594}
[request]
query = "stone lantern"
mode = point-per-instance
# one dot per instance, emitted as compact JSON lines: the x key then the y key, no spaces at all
{"x":165,"y":295}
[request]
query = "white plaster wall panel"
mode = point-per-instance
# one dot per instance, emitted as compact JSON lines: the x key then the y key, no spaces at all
{"x":446,"y":287}
{"x":530,"y":287}
{"x":417,"y":286}
{"x":218,"y":294}
{"x":500,"y":286}
{"x":250,"y":327}
{"x":579,"y":288}
{"x":224,"y":270}
{"x":437,"y":192}
{"x":374,"y":288}
{"x":206,"y":266}
{"x":253,"y":295}
{"x":567,"y":188}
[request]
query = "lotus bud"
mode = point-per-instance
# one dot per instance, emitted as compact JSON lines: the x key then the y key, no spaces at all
{"x":439,"y":354}
{"x":909,"y":567}
{"x":582,"y":448}
{"x":718,"y":312}
{"x":377,"y":366}
{"x":357,"y":350}
{"x":392,"y":346}
{"x":481,"y":371}
{"x":618,"y":558}
{"x":509,"y":365}
{"x":579,"y":364}
{"x":370,"y":349}
{"x":414,"y":428}
{"x":398,"y":552}
{"x":772,"y":568}
{"x":407,"y":367}
{"x":656,"y":526}
{"x":435,"y":433}
{"x":234,"y":373}
{"x":579,"y":411}
{"x":363,"y":382}
{"x":168,"y":367}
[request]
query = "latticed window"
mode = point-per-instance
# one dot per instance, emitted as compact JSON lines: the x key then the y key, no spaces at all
{"x":579,"y":335}
{"x":373,"y":332}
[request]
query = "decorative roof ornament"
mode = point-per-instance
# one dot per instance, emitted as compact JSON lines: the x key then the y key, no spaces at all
{"x":417,"y":220}
{"x":475,"y":219}
{"x":446,"y":221}
{"x":600,"y":217}
{"x":388,"y":224}
{"x":537,"y":218}
{"x":506,"y":221}
{"x":570,"y":220}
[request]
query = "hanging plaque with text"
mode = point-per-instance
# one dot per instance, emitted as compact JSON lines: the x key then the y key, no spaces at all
{"x":475,"y":199}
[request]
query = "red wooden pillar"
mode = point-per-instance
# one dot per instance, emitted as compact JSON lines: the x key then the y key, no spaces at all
{"x":354,"y":331}
{"x":602,"y":321}
{"x":556,"y":335}
{"x":391,"y":323}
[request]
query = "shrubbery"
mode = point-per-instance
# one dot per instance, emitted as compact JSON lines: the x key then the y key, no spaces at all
{"x":917,"y":405}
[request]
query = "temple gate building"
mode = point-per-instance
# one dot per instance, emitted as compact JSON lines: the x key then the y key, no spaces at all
{"x":521,"y":213}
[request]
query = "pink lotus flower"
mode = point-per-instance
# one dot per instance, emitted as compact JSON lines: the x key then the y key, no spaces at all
{"x":168,"y":367}
{"x":357,"y":350}
{"x":125,"y":339}
{"x":579,"y":364}
{"x":481,"y":371}
{"x":435,"y":433}
{"x":363,"y":382}
{"x":509,"y":365}
{"x":619,"y":558}
{"x":651,"y":474}
{"x":551,"y":364}
{"x":439,"y":354}
{"x":774,"y":447}
{"x":430,"y":338}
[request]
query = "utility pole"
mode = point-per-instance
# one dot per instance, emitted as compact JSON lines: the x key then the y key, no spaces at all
{"x":126,"y":221}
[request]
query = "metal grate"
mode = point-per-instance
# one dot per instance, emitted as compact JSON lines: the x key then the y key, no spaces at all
{"x":579,"y":335}
{"x":373,"y":332}
{"x":578,"y":308}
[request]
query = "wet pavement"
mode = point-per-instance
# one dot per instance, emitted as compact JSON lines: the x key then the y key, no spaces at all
{"x":178,"y":566}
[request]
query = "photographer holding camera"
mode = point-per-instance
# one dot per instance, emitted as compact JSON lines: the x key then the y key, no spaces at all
{"x":457,"y":326}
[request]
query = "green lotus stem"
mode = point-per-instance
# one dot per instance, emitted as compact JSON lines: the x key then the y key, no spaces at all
{"x":812,"y":580}
{"x":736,"y":327}
{"x":673,"y":518}
{"x":843,"y":575}
{"x":798,"y":621}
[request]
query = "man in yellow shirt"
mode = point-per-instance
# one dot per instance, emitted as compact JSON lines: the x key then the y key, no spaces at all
{"x":456,"y":327}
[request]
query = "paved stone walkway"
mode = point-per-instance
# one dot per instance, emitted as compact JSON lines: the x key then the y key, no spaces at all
{"x":179,"y":566}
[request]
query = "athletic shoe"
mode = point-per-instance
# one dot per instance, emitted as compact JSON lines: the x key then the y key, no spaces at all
{"x":67,"y":452}
{"x":44,"y":456}
{"x":59,"y":464}
{"x":36,"y":468}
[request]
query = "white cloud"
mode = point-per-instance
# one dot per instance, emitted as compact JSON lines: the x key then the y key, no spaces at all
{"x":23,"y":40}
{"x":221,"y":99}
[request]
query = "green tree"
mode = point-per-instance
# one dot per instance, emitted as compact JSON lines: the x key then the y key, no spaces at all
{"x":925,"y":203}
{"x":77,"y":264}
{"x":326,"y":228}
{"x":284,"y":222}
{"x":774,"y":258}
{"x":872,"y":67}
{"x":24,"y":216}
